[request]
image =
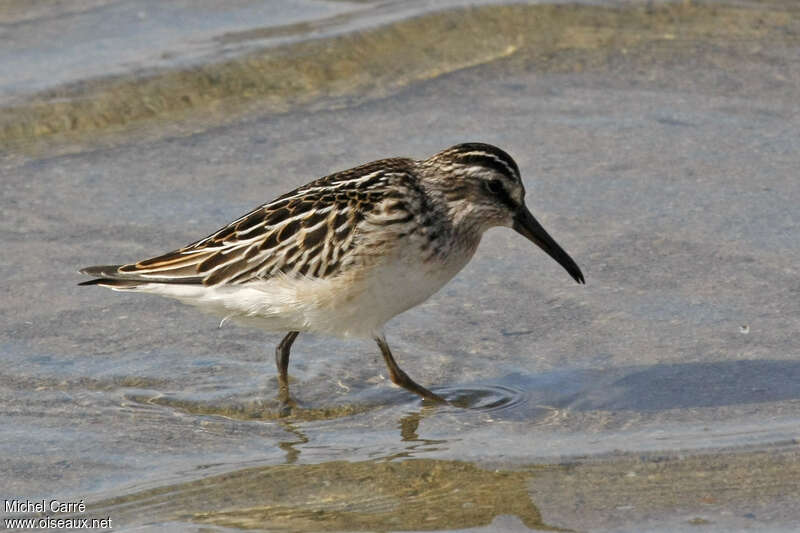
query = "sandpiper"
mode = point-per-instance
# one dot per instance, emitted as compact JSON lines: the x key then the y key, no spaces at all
{"x":344,"y":254}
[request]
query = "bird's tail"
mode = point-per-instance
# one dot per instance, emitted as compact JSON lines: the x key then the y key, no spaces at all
{"x":115,"y":277}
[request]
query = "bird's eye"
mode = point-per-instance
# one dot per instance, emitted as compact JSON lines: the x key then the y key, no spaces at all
{"x":494,"y":186}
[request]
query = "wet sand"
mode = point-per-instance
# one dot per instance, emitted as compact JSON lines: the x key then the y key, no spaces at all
{"x":659,"y":146}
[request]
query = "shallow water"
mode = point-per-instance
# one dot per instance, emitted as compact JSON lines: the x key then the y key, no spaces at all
{"x":659,"y":144}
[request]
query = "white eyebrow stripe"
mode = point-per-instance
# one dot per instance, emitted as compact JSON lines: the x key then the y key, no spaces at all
{"x":480,"y":153}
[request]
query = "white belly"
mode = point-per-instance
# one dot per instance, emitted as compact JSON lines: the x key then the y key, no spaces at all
{"x":389,"y":290}
{"x":351,"y":305}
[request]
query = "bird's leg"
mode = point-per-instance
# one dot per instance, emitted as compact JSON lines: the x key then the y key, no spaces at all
{"x":282,"y":361}
{"x":400,"y":378}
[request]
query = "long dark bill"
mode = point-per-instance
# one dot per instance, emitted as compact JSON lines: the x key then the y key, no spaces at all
{"x":526,"y":225}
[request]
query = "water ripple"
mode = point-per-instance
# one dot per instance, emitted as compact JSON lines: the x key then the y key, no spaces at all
{"x":488,"y":397}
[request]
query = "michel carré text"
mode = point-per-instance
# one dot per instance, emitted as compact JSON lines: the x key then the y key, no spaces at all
{"x":43,"y":506}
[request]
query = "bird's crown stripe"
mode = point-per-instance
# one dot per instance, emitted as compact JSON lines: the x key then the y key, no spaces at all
{"x":481,"y":157}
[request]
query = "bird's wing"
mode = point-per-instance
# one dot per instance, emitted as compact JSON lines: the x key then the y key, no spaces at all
{"x":309,"y":231}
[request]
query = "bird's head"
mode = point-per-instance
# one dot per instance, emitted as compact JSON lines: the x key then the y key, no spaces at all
{"x":483,"y":188}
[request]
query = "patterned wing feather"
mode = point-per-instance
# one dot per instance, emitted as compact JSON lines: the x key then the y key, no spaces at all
{"x":309,"y":231}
